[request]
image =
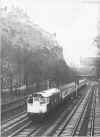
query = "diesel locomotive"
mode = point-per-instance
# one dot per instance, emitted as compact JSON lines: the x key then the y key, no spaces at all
{"x":40,"y":103}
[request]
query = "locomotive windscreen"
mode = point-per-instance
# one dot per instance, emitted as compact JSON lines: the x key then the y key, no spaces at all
{"x":30,"y":99}
{"x":40,"y":98}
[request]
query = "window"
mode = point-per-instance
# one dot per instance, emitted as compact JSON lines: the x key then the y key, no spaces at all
{"x":30,"y":99}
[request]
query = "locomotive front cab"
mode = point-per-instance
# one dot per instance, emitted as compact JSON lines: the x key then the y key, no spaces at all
{"x":37,"y":104}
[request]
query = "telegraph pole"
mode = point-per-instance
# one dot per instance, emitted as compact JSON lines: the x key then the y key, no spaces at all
{"x":76,"y":86}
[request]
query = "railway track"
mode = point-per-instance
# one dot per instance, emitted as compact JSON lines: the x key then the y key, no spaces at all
{"x":12,"y":112}
{"x":29,"y":129}
{"x":72,"y":124}
{"x":57,"y":128}
{"x":15,"y":106}
{"x":12,"y":125}
{"x":12,"y":118}
{"x":34,"y":129}
{"x":11,"y":109}
{"x":94,"y":121}
{"x":26,"y":129}
{"x":11,"y":105}
{"x":97,"y":114}
{"x":90,"y":131}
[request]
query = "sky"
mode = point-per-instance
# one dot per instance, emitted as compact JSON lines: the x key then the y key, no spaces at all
{"x":73,"y":21}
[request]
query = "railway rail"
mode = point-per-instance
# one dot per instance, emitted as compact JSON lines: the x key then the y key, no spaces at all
{"x":27,"y":128}
{"x":32,"y":129}
{"x":19,"y":101}
{"x":90,"y":131}
{"x":58,"y":126}
{"x":69,"y":127}
{"x":11,"y":109}
{"x":15,"y":106}
{"x":97,"y":114}
{"x":94,"y":121}
{"x":4,"y":122}
{"x":12,"y":112}
{"x":12,"y":125}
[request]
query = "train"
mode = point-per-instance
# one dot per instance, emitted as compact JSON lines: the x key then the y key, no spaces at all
{"x":41,"y":103}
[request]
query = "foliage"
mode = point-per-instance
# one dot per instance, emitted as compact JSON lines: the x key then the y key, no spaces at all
{"x":97,"y":41}
{"x":28,"y":53}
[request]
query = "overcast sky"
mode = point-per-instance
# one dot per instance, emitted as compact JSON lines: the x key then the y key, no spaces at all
{"x":73,"y":21}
